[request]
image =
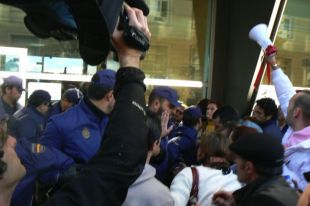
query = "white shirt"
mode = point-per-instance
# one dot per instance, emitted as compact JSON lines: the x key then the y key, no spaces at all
{"x":210,"y":181}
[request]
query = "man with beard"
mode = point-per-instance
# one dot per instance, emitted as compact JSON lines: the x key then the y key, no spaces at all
{"x":163,"y":101}
{"x":11,"y":88}
{"x":259,"y":160}
{"x":296,"y":109}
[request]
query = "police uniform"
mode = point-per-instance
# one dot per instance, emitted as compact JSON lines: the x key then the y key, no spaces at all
{"x":37,"y":159}
{"x":183,"y":148}
{"x":121,"y":158}
{"x":55,"y":109}
{"x":76,"y":132}
{"x":27,"y":123}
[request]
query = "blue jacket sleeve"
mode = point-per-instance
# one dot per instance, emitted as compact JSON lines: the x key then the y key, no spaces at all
{"x":52,"y":135}
{"x":37,"y":159}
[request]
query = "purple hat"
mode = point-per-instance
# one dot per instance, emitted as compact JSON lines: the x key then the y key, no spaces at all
{"x":193,"y":111}
{"x":168,"y":93}
{"x":73,"y":95}
{"x":13,"y":81}
{"x":104,"y":78}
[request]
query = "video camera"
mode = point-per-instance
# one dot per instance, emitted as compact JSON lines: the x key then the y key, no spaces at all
{"x":132,"y":36}
{"x":92,"y":22}
{"x":95,"y":28}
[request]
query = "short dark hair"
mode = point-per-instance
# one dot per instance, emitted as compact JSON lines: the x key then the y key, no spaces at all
{"x":227,"y":115}
{"x":303,"y":101}
{"x":269,"y":106}
{"x":97,"y":92}
{"x":153,"y":124}
{"x":4,"y":86}
{"x":189,"y":120}
{"x":36,"y":100}
{"x":217,"y":103}
{"x":203,"y":105}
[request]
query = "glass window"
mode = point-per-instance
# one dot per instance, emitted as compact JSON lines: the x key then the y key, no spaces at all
{"x":293,"y":42}
{"x":174,"y":53}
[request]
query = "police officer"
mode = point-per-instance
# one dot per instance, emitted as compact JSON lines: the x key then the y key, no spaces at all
{"x":78,"y":131}
{"x":70,"y":98}
{"x":11,"y":88}
{"x":28,"y":122}
{"x":163,"y":100}
{"x":121,"y":159}
{"x":183,"y":147}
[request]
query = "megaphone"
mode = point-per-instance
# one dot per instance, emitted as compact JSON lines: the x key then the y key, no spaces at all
{"x":259,"y":34}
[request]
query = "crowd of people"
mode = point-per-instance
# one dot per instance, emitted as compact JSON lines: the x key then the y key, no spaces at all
{"x":106,"y":146}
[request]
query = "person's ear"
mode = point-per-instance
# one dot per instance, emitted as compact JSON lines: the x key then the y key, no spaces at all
{"x":297,"y":112}
{"x":109,"y":95}
{"x":249,"y":167}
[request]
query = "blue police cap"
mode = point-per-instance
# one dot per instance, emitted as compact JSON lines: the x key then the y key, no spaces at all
{"x":73,"y":95}
{"x":194,"y":112}
{"x":168,"y":93}
{"x":104,"y":78}
{"x":13,"y":81}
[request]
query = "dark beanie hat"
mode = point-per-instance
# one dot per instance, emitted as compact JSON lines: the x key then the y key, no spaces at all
{"x":261,"y":149}
{"x":39,"y":97}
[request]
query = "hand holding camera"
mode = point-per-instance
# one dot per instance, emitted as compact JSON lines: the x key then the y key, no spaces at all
{"x":132,"y":40}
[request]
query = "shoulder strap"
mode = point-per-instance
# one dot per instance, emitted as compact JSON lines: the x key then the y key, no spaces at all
{"x":195,"y":184}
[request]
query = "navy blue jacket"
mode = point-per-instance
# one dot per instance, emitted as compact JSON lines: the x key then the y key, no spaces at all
{"x":183,"y":147}
{"x":37,"y":159}
{"x":55,"y":109}
{"x":76,"y":132}
{"x":27,"y":123}
{"x":270,"y":127}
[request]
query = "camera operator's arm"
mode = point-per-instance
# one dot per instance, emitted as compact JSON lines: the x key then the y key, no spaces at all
{"x":122,"y":156}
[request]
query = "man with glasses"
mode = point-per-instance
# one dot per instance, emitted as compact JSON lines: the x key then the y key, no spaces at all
{"x":11,"y":88}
